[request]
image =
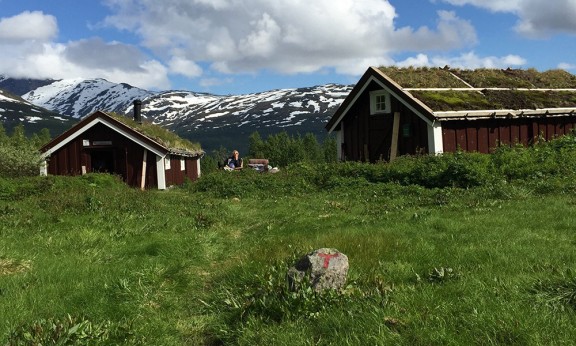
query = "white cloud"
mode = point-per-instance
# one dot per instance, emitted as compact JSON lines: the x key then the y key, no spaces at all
{"x":286,"y":36}
{"x":566,"y":66}
{"x":94,"y":53}
{"x":492,"y":5}
{"x":28,"y":50}
{"x":184,"y":67}
{"x":452,"y":32}
{"x":51,"y":60}
{"x":467,"y":60}
{"x":204,"y":39}
{"x":28,"y":26}
{"x":536,"y":18}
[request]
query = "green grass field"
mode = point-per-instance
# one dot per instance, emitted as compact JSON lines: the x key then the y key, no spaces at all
{"x":89,"y":261}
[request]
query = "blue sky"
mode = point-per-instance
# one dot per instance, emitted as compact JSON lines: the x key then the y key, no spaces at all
{"x":245,"y":46}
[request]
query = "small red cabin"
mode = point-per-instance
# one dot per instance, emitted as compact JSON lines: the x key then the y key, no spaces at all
{"x":113,"y":144}
{"x":406,"y":111}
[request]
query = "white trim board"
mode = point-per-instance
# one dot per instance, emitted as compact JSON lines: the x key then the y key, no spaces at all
{"x":92,"y":123}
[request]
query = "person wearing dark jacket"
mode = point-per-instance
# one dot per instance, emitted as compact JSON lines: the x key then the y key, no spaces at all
{"x":234,"y":162}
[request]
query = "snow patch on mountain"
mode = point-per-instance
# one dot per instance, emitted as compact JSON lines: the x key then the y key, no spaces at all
{"x":186,"y":111}
{"x":6,"y":98}
{"x":80,"y":97}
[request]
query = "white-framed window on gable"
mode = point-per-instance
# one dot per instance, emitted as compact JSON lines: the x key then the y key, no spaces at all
{"x":379,"y":102}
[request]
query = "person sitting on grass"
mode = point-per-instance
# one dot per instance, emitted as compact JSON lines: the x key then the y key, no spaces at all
{"x":234,"y":162}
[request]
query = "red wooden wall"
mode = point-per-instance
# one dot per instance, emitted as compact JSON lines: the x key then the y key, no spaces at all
{"x":176,"y":175}
{"x":126,"y":155}
{"x":369,"y":137}
{"x":482,"y":135}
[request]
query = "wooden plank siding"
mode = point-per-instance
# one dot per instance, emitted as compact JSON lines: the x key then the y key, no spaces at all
{"x":483,"y":135}
{"x":176,"y":175}
{"x":368,"y":137}
{"x":126,"y":156}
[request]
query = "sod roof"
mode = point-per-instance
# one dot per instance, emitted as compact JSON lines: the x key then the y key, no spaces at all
{"x":159,"y":134}
{"x":446,"y":90}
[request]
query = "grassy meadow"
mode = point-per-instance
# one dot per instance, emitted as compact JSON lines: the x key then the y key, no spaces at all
{"x":463,"y":249}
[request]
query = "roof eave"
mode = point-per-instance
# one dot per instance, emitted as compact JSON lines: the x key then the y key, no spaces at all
{"x":478,"y":114}
{"x":374,"y":74}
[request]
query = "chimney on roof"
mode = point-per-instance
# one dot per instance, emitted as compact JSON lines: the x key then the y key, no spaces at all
{"x":137,"y":111}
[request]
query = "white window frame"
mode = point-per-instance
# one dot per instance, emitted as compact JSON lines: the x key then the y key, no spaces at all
{"x":167,"y":163}
{"x":182,"y":164}
{"x":376,"y":102}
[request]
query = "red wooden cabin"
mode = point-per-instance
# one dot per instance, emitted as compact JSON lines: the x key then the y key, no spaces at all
{"x":407,"y":111}
{"x":104,"y":143}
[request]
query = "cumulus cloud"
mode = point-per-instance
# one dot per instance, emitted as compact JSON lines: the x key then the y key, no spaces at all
{"x":286,"y":36}
{"x":492,"y":5}
{"x":28,"y":49}
{"x":208,"y":40}
{"x":184,"y":67}
{"x":470,"y":61}
{"x":96,"y":54}
{"x":28,"y":25}
{"x":52,"y":60}
{"x":540,"y":18}
{"x":536,"y":18}
{"x":467,"y":60}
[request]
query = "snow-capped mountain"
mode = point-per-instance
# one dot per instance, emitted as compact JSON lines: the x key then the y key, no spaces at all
{"x":80,"y":97}
{"x":282,"y":108}
{"x":209,"y":119}
{"x":228,"y":121}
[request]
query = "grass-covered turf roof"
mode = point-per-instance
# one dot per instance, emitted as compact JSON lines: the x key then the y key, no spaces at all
{"x":447,"y":89}
{"x":159,"y":134}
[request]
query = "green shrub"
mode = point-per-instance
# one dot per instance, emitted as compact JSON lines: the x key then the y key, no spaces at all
{"x":19,"y":161}
{"x":19,"y":156}
{"x":546,"y":166}
{"x":283,"y":150}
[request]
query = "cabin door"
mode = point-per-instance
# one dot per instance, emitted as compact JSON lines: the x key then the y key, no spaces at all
{"x":102,"y":161}
{"x":380,"y":137}
{"x":108,"y":160}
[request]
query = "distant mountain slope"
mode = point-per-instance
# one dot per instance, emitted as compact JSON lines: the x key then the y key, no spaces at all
{"x":22,"y":86}
{"x":228,"y":120}
{"x":212,"y":120}
{"x":80,"y":97}
{"x":14,"y":110}
{"x":279,"y":108}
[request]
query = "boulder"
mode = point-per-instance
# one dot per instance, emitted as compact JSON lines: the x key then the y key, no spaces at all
{"x":322,"y":269}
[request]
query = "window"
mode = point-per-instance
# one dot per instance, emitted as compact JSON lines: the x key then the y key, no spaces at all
{"x":379,"y":102}
{"x":182,"y":164}
{"x":167,"y":162}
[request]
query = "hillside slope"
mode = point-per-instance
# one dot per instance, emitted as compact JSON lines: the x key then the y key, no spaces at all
{"x":14,"y":111}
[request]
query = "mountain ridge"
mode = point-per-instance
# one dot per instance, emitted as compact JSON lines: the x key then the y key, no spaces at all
{"x":213,"y":120}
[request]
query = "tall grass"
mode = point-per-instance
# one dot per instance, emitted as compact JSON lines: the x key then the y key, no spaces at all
{"x":458,"y":249}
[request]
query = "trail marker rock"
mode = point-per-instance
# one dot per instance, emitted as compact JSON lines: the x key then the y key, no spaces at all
{"x":323,"y":269}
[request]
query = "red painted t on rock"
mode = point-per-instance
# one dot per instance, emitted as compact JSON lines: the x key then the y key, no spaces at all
{"x":327,"y":257}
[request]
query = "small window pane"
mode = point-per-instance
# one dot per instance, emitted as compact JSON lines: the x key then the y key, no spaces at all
{"x":380,"y":102}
